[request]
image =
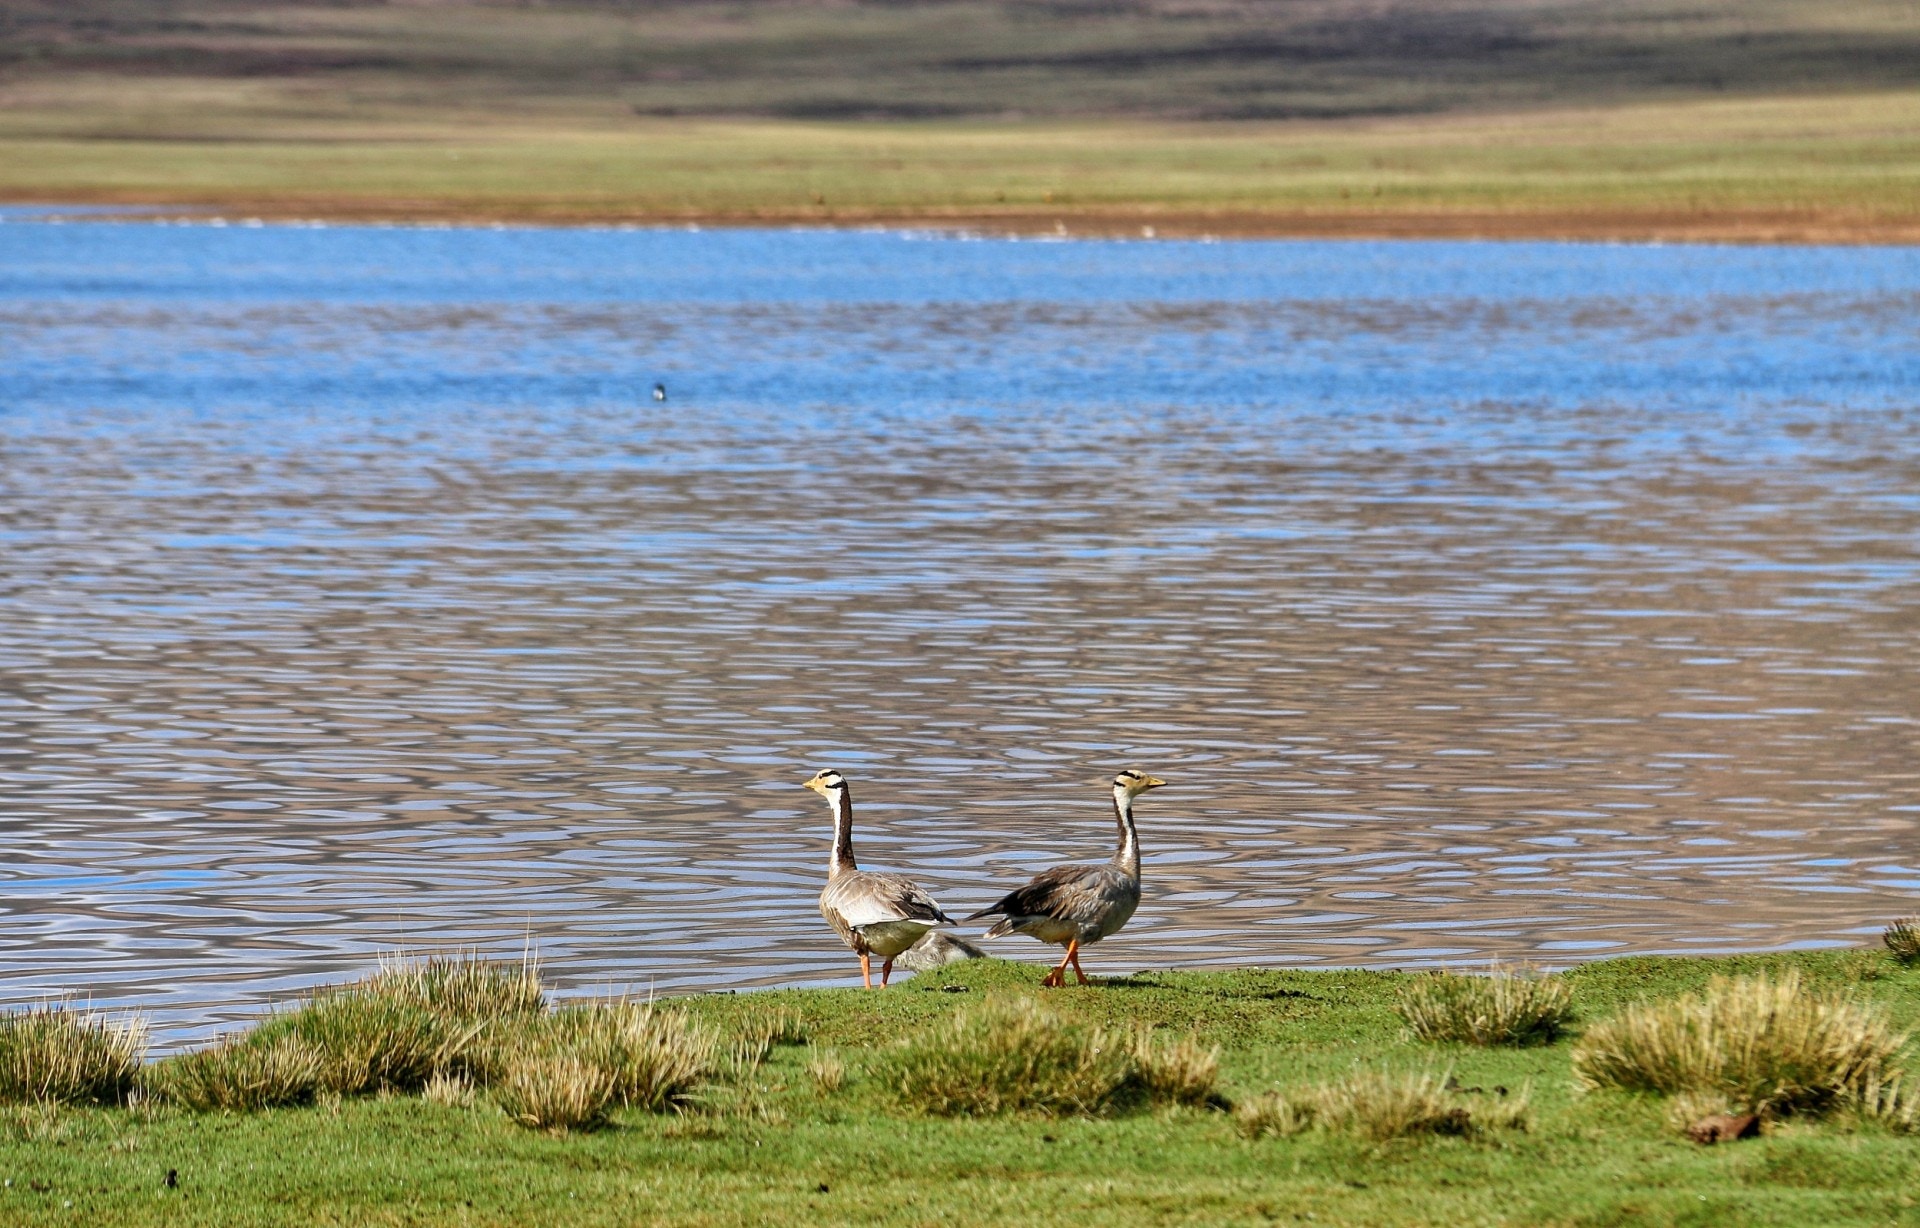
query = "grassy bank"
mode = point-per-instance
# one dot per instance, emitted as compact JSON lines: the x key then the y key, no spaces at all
{"x":1718,"y":119}
{"x":817,"y":1115}
{"x":1841,"y":169}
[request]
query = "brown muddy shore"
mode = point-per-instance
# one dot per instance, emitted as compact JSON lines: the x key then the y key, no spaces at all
{"x":1808,"y":226}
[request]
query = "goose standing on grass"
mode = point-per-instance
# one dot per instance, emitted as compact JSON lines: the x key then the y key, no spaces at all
{"x":875,"y":914}
{"x":1078,"y":904}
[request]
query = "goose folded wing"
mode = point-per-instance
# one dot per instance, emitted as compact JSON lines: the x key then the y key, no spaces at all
{"x":1060,"y":892}
{"x":889,"y":897}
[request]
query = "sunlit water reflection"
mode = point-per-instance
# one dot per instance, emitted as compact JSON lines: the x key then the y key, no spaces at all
{"x":1527,"y":601}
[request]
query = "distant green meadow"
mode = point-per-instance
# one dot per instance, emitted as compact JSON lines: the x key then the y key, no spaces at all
{"x":1781,"y":120}
{"x":817,"y":1124}
{"x":1830,"y":169}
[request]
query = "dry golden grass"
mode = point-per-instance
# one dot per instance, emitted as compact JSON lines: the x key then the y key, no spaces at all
{"x":58,"y":1055}
{"x":1015,"y":1056}
{"x":556,"y":1092}
{"x":1497,"y":1009}
{"x":451,"y":1091}
{"x":1181,"y":1071}
{"x":241,"y":1075}
{"x":828,"y":1072}
{"x":1011,"y":1056}
{"x":1380,"y":1107}
{"x":1765,"y":1045}
{"x":460,"y":986}
{"x":1903,"y":939}
{"x":653,"y":1058}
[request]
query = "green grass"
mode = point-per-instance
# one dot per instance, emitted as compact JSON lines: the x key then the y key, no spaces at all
{"x":1724,"y":119}
{"x":821,"y":1114}
{"x":1832,"y":167}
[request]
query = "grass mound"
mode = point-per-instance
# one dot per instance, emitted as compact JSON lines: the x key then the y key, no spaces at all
{"x":56,"y":1055}
{"x":465,"y":987}
{"x":1768,"y":1046}
{"x":241,"y":1075}
{"x":556,"y":1092}
{"x":1497,"y":1009}
{"x":1015,"y":1056}
{"x":1380,"y":1106}
{"x":1903,"y":939}
{"x":652,"y":1059}
{"x":366,"y":1041}
{"x":1181,"y":1071}
{"x":451,"y":1028}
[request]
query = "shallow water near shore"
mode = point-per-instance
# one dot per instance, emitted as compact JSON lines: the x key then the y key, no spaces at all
{"x":1532,"y":602}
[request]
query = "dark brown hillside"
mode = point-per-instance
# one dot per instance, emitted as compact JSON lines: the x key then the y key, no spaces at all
{"x":1245,"y":59}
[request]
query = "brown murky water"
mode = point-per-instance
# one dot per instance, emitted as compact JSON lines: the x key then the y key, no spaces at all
{"x":328,"y":630}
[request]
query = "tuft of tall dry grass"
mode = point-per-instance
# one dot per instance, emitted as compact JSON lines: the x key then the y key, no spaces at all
{"x":369,"y":1042}
{"x":1890,"y":1100}
{"x":58,"y":1055}
{"x":465,"y":986}
{"x":653,"y":1058}
{"x":240,"y":1075}
{"x":1903,"y":939}
{"x":1015,"y":1056}
{"x":1768,"y":1046}
{"x":1497,"y":1009}
{"x":1181,"y":1071}
{"x":1380,"y":1106}
{"x":828,"y":1072}
{"x":556,"y":1092}
{"x":1011,"y":1056}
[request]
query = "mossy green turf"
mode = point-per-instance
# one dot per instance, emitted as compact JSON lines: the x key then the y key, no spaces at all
{"x":797,"y":1155}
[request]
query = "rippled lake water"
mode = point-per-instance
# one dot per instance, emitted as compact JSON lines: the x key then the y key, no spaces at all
{"x":1525,"y":601}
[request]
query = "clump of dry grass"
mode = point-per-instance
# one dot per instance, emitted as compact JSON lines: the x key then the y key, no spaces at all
{"x":1903,"y":939}
{"x":653,"y":1058}
{"x":1767,"y":1046}
{"x":1284,"y":1114}
{"x":240,"y":1075}
{"x":1380,"y":1106}
{"x":828,"y":1072}
{"x":1182,"y":1071}
{"x":369,"y":1042}
{"x":767,"y":1026}
{"x":1011,"y":1056}
{"x":1014,"y":1056}
{"x":556,"y":1092}
{"x":58,"y":1055}
{"x":1888,"y":1100}
{"x":462,"y":986}
{"x":1497,"y":1009}
{"x":451,"y":1091}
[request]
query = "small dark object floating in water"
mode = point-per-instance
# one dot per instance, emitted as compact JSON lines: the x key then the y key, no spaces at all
{"x":659,"y":392}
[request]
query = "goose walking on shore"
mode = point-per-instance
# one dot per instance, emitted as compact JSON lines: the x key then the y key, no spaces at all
{"x":1074,"y":905}
{"x":875,"y":914}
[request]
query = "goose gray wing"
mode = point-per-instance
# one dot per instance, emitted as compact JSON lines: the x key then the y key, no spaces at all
{"x":1080,"y":894}
{"x":865,"y":898}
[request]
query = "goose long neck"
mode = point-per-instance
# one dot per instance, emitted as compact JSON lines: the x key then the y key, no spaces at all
{"x":842,"y":860}
{"x":1127,"y":857}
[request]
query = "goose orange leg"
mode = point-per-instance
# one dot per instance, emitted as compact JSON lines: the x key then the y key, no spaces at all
{"x":866,"y":971}
{"x":1057,"y":978}
{"x":1073,"y":957}
{"x":886,"y":970}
